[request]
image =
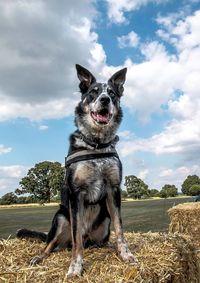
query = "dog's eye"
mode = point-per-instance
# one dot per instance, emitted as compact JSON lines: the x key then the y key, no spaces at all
{"x":111,"y":93}
{"x":94,"y":91}
{"x":91,"y":96}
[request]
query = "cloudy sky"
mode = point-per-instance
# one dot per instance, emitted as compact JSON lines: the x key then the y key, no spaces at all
{"x":159,"y":42}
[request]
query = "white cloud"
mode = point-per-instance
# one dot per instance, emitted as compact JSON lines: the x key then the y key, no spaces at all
{"x":43,"y":127}
{"x":166,"y":173}
{"x":143,"y":174}
{"x":98,"y":57}
{"x":172,"y":81}
{"x":176,"y":176}
{"x":6,"y":185}
{"x":10,"y":177}
{"x":125,"y":134}
{"x":12,"y":171}
{"x":149,"y":85}
{"x":182,"y":32}
{"x":52,"y":109}
{"x":180,"y":137}
{"x":4,"y":150}
{"x":129,"y":40}
{"x":40,"y":44}
{"x":117,"y":9}
{"x":156,"y":176}
{"x":152,"y":84}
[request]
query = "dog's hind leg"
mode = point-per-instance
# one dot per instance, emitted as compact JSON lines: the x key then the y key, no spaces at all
{"x":39,"y":258}
{"x":114,"y":207}
{"x":59,"y":235}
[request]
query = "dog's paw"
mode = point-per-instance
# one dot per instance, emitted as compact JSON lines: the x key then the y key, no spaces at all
{"x":36,"y":259}
{"x":76,"y":268}
{"x":126,"y":254}
{"x":129,"y":257}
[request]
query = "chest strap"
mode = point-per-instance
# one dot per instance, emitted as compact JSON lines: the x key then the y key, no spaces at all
{"x":84,"y":155}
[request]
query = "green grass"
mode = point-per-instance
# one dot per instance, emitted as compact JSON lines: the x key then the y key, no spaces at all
{"x":148,"y":215}
{"x":137,"y":216}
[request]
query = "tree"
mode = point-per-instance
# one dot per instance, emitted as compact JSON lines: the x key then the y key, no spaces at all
{"x":43,"y":181}
{"x":124,"y":194}
{"x":136,"y":188}
{"x":163,"y":194}
{"x":8,"y":198}
{"x":153,"y":192}
{"x":189,"y":181}
{"x":168,"y":191}
{"x":194,"y":190}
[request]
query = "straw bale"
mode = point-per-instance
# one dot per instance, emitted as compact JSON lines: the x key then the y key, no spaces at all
{"x":185,"y":218}
{"x":162,"y":258}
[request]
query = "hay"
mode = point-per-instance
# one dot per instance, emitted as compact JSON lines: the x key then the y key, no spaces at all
{"x":162,"y":258}
{"x":185,"y":218}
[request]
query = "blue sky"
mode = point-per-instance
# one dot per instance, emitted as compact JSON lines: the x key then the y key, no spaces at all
{"x":159,"y":42}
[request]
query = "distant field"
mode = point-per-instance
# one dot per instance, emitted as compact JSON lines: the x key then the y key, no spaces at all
{"x":147,"y":215}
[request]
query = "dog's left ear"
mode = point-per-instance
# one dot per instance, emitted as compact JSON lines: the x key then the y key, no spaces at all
{"x":85,"y":77}
{"x":118,"y":80}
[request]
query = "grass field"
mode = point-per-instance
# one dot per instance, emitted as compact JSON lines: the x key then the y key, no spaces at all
{"x":138,"y":216}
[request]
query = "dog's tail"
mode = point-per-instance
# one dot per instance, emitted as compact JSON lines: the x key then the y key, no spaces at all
{"x":25,"y":233}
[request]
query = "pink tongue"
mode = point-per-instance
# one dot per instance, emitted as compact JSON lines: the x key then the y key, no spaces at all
{"x":102,"y":118}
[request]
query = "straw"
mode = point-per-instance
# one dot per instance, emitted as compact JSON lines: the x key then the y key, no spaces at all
{"x":162,"y":258}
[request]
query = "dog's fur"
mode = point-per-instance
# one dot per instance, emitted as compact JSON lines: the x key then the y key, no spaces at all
{"x":90,"y":196}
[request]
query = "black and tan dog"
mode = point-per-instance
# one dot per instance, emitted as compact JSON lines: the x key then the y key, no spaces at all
{"x":90,"y":196}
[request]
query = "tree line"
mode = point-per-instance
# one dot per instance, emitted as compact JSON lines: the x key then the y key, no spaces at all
{"x":137,"y":189}
{"x":44,"y":181}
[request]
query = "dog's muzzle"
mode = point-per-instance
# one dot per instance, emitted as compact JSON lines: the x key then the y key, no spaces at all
{"x":103,"y":114}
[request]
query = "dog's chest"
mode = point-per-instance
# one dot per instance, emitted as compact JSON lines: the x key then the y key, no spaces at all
{"x":96,"y":176}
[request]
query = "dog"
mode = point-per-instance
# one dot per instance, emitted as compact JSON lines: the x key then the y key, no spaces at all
{"x":90,"y":195}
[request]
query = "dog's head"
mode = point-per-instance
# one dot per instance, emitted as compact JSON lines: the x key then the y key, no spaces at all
{"x":100,"y":102}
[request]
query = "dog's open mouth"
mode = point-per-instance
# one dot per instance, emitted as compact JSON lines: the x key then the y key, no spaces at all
{"x":101,"y":117}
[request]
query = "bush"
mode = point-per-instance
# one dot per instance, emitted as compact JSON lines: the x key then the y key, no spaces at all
{"x":9,"y":198}
{"x":194,"y":190}
{"x":24,"y":200}
{"x":189,"y":182}
{"x":163,"y":194}
{"x":154,"y":193}
{"x":168,"y":191}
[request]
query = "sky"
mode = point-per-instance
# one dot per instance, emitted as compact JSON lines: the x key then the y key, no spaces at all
{"x":157,"y":40}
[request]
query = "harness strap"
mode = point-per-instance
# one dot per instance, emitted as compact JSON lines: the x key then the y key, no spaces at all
{"x":84,"y":155}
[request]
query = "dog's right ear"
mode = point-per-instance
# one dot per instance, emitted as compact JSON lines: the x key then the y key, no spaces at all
{"x":85,"y":77}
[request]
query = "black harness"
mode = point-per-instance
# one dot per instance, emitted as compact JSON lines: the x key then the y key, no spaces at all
{"x":89,"y":154}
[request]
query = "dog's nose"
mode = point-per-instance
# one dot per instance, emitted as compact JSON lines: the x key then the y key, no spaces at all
{"x":105,"y":100}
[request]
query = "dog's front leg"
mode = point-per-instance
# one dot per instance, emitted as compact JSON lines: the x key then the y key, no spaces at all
{"x":76,"y":219}
{"x":114,"y":208}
